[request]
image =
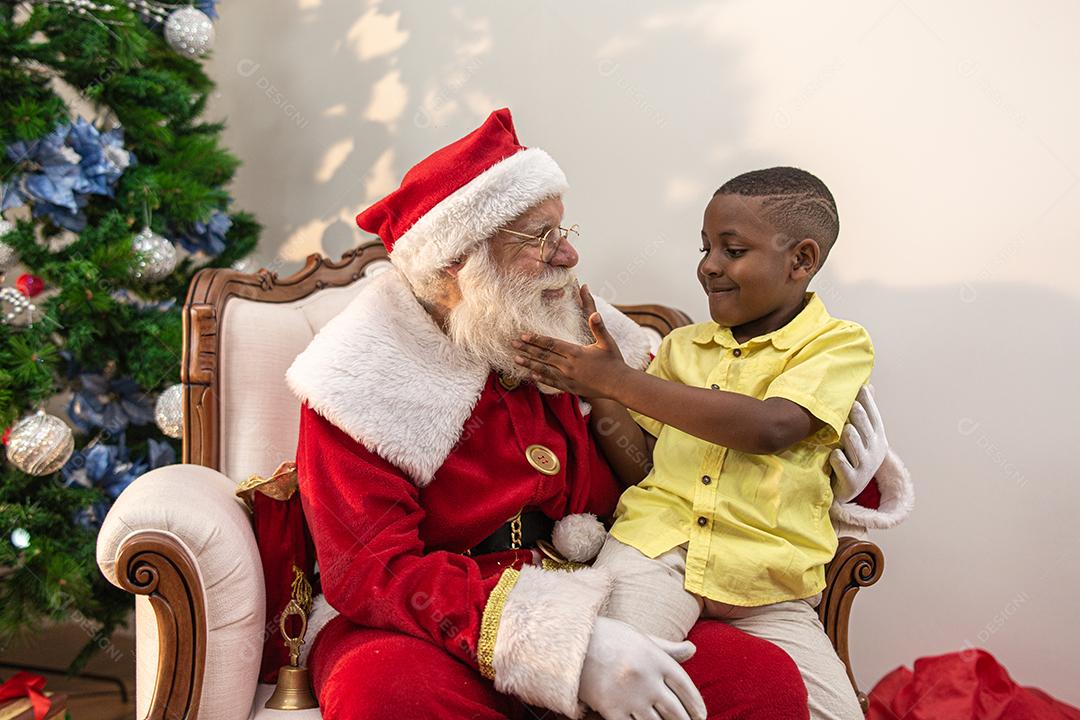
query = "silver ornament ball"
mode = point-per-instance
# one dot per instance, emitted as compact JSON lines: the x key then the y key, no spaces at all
{"x":40,"y":444}
{"x":15,"y":308}
{"x":169,"y":411}
{"x":189,"y":32}
{"x":8,"y":256}
{"x":155,"y":256}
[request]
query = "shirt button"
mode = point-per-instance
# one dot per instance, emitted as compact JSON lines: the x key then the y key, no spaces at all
{"x":702,"y":521}
{"x":715,"y":386}
{"x":705,"y":479}
{"x":736,"y":352}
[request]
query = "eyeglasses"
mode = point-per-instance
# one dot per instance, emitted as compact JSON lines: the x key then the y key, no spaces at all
{"x":548,"y":241}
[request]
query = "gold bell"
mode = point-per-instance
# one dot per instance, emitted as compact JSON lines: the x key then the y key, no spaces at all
{"x":293,"y":690}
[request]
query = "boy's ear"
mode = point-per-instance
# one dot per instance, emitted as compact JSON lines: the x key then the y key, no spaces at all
{"x":805,"y":257}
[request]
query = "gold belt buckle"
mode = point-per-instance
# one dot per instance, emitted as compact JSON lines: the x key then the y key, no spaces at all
{"x":515,"y":531}
{"x":549,"y":550}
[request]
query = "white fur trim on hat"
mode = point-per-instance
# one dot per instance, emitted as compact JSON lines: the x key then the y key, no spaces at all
{"x":578,"y":537}
{"x":473,"y":212}
{"x":897,"y":499}
{"x":544,"y":632}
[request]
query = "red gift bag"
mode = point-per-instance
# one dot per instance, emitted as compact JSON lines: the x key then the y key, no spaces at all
{"x":968,"y":685}
{"x":284,"y":543}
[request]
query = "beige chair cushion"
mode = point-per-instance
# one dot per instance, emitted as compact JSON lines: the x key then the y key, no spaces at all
{"x":258,"y":343}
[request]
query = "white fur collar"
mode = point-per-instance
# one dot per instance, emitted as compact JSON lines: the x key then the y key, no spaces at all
{"x":383,"y":371}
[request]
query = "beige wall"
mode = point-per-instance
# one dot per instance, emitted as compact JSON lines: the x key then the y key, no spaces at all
{"x":947,"y":132}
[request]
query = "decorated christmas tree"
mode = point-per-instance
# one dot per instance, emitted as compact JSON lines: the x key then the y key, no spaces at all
{"x":113,"y":195}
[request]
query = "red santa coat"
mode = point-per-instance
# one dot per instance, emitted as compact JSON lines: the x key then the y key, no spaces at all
{"x":391,"y":553}
{"x":409,"y":453}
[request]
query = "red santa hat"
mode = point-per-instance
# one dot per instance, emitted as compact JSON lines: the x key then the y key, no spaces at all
{"x":460,"y":195}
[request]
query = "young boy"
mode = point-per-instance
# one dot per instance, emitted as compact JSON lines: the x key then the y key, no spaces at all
{"x":732,"y":520}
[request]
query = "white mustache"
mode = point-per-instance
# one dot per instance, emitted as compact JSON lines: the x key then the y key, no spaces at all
{"x":560,"y":281}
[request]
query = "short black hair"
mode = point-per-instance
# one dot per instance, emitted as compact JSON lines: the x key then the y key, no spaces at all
{"x":796,"y":202}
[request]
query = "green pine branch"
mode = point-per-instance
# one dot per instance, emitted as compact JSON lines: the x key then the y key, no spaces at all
{"x":130,"y":75}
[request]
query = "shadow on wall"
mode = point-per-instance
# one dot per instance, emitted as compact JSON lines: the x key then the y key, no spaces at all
{"x":376,"y":89}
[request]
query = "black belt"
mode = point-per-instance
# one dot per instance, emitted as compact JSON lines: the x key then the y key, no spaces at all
{"x":521,"y":531}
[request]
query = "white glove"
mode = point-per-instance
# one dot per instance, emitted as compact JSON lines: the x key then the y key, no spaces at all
{"x":629,"y":674}
{"x":863,"y":447}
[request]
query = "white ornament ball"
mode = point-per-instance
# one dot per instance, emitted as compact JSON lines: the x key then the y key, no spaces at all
{"x":189,"y":32}
{"x":155,"y":256}
{"x":20,"y":538}
{"x":40,"y":444}
{"x":8,"y":257}
{"x":169,"y":411}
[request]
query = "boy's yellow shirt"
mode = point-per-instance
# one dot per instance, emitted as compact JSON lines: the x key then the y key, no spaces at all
{"x":758,"y":526}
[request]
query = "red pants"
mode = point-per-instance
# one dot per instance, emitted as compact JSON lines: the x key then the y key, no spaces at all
{"x":361,"y":674}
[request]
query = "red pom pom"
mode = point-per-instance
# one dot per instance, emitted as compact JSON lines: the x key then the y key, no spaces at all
{"x":30,"y":285}
{"x":7,"y":434}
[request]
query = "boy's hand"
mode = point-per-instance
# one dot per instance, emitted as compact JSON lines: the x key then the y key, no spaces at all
{"x":586,"y":370}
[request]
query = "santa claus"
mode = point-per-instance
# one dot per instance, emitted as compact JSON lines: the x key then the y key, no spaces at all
{"x":432,"y":472}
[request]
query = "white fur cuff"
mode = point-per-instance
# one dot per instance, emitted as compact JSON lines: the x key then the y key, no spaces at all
{"x":897,"y":499}
{"x":544,"y":632}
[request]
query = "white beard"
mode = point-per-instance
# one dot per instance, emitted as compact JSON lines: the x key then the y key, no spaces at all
{"x":496,"y":307}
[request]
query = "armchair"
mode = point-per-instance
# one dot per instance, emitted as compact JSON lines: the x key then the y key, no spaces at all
{"x":197,"y":578}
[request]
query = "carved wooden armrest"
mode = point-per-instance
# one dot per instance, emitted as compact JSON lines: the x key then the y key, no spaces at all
{"x":857,"y":564}
{"x":179,"y":536}
{"x":158,"y":565}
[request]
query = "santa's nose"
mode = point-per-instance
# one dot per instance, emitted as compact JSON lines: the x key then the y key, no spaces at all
{"x":566,"y":255}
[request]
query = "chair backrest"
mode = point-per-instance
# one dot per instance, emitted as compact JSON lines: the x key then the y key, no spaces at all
{"x":241,"y":333}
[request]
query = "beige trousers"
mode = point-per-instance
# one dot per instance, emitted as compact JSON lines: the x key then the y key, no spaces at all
{"x":649,"y":594}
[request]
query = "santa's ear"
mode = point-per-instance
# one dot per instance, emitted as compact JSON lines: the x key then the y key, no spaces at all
{"x":455,"y":267}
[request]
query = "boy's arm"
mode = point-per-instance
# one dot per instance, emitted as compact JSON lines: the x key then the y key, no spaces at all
{"x":809,"y":394}
{"x":725,"y":418}
{"x":625,"y":445}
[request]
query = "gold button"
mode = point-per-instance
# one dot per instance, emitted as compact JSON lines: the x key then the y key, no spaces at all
{"x":542,"y":459}
{"x":509,"y":382}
